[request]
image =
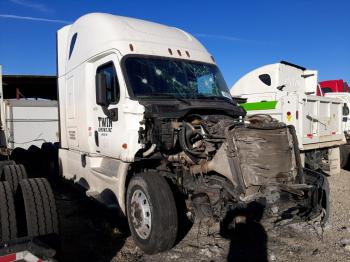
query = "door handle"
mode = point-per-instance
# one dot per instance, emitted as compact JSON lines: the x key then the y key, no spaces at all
{"x":96,"y":138}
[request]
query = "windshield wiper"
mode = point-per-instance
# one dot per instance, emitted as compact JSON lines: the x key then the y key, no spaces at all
{"x":173,"y":96}
{"x":200,"y":96}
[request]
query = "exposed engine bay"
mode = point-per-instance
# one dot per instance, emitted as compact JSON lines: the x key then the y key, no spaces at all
{"x":221,"y":161}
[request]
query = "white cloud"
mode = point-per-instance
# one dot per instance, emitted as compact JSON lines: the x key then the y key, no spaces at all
{"x":57,"y":21}
{"x":39,"y":7}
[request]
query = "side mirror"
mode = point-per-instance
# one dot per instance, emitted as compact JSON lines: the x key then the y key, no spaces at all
{"x":345,"y":110}
{"x":101,"y":89}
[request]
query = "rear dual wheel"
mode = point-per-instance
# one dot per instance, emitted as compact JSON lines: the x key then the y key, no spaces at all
{"x":8,"y":225}
{"x":36,"y":208}
{"x":31,"y":212}
{"x":13,"y":174}
{"x":151,"y":212}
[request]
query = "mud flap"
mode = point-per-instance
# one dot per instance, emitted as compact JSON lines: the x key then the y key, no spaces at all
{"x":334,"y":161}
{"x":319,"y":203}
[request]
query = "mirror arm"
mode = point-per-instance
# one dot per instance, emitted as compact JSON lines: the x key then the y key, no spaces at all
{"x":110,"y":113}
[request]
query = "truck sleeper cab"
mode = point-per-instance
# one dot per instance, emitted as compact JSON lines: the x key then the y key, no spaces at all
{"x":145,"y":115}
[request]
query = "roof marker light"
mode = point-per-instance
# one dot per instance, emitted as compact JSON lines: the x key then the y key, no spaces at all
{"x":131,"y":47}
{"x":188,"y":54}
{"x":179,"y":52}
{"x":170,"y":52}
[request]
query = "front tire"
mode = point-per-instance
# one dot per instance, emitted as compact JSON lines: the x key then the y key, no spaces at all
{"x":151,"y":212}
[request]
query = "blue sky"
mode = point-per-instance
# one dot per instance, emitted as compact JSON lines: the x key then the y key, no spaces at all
{"x":242,"y":35}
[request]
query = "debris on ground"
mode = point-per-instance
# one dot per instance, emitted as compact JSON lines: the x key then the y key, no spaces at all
{"x":92,"y":233}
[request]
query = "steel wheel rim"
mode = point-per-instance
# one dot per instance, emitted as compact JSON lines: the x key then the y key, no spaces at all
{"x":141,"y":217}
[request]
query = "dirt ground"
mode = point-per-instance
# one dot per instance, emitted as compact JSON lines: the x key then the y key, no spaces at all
{"x":92,"y":233}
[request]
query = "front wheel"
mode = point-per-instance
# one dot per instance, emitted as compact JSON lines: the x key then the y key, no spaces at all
{"x":151,"y":212}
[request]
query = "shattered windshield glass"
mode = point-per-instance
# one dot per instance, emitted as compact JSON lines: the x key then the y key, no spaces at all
{"x":150,"y":77}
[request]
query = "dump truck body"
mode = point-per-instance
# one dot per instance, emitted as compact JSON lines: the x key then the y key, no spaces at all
{"x":287,"y":92}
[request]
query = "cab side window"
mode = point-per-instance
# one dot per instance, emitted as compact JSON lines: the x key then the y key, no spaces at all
{"x":112,"y":84}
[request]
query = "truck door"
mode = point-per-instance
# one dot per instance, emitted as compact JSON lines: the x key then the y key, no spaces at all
{"x":107,"y":115}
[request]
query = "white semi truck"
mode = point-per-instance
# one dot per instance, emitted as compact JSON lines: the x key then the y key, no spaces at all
{"x":145,"y":116}
{"x":287,"y":92}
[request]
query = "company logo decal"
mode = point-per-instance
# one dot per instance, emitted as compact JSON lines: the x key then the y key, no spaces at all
{"x":104,"y":124}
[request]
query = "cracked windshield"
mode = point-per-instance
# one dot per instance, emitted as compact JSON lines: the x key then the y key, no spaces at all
{"x":175,"y":78}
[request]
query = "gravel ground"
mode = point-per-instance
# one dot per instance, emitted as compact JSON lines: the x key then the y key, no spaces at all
{"x":92,"y":233}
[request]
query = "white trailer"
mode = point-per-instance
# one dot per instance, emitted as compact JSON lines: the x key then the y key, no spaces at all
{"x":30,"y":122}
{"x":286,"y":92}
{"x":27,"y":121}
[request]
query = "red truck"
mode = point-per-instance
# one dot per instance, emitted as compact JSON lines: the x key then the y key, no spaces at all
{"x":333,"y":86}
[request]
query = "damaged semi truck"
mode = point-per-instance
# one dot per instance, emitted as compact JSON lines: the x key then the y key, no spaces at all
{"x":146,"y":117}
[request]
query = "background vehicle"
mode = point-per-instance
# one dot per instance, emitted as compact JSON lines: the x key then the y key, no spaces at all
{"x":147,"y":122}
{"x":332,"y":86}
{"x":29,"y":110}
{"x":31,"y":122}
{"x":345,"y":148}
{"x":285,"y":91}
{"x":28,"y":216}
{"x":339,"y":89}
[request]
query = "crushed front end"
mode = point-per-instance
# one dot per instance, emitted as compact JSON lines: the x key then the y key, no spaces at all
{"x":221,"y":163}
{"x":268,"y":171}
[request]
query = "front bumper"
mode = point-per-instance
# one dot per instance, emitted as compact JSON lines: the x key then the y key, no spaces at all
{"x":297,"y":202}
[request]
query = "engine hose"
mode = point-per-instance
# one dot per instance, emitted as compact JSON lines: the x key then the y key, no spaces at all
{"x":183,"y":138}
{"x":149,"y":151}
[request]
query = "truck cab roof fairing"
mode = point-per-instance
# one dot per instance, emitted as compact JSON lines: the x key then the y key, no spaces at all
{"x":98,"y":32}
